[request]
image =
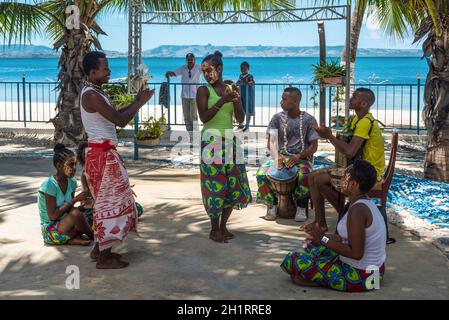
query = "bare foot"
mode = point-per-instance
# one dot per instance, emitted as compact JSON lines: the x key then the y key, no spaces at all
{"x":78,"y":242}
{"x":95,"y":254}
{"x":324,"y":228}
{"x":300,"y":281}
{"x":111,"y":263}
{"x":227,"y":234}
{"x":217,"y":236}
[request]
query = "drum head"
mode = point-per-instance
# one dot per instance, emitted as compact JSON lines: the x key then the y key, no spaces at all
{"x":283,"y":174}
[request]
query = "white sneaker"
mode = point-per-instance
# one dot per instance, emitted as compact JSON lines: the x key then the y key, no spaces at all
{"x":300,"y":215}
{"x":271,"y":213}
{"x":311,"y":212}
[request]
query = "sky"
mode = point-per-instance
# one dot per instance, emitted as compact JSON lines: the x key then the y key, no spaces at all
{"x":293,"y":34}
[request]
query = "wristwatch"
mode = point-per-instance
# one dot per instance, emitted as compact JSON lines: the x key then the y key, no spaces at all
{"x":324,"y":240}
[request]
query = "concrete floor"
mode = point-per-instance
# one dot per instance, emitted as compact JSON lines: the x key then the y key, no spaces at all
{"x":173,"y":258}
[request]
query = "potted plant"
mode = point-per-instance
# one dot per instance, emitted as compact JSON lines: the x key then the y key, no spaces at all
{"x":118,"y":95}
{"x":119,"y":98}
{"x":329,"y":74}
{"x":151,"y":131}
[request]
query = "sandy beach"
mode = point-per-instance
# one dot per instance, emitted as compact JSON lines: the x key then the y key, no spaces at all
{"x":39,"y":113}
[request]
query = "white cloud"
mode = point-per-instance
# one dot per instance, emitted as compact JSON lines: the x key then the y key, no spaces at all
{"x":371,"y":23}
{"x":375,"y":34}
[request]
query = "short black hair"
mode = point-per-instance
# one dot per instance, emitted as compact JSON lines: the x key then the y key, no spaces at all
{"x":368,"y":94}
{"x":294,"y":90}
{"x":214,"y":59}
{"x":190,"y":55}
{"x":364,"y":174}
{"x":61,"y":154}
{"x":91,"y":61}
{"x":245,"y":64}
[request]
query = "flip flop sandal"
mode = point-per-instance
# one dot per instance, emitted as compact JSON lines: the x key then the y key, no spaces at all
{"x":391,"y":241}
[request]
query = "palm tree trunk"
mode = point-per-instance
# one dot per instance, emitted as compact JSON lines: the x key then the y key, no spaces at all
{"x":67,"y":123}
{"x":356,"y":27}
{"x":76,"y":44}
{"x":436,"y":98}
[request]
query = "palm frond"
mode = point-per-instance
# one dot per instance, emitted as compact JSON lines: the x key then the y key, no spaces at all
{"x":214,"y":6}
{"x":399,"y":17}
{"x":20,"y":21}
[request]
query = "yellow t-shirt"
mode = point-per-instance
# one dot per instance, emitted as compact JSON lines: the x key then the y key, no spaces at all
{"x":373,"y":151}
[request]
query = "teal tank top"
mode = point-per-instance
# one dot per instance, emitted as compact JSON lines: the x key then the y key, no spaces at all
{"x":223,"y":119}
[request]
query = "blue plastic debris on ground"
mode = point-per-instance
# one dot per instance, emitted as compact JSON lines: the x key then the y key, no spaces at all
{"x":422,"y":198}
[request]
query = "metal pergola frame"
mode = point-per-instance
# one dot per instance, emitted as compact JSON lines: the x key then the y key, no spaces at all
{"x":306,"y":14}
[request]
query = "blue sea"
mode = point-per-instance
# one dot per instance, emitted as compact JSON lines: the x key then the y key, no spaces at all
{"x":265,"y":70}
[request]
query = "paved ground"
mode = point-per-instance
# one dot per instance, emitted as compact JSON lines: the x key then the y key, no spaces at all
{"x":173,"y":258}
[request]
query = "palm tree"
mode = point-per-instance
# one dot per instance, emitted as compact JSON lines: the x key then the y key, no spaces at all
{"x":429,"y":19}
{"x":21,"y":20}
{"x":358,"y":16}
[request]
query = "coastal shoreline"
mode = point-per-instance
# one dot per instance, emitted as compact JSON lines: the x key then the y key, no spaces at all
{"x":42,"y":112}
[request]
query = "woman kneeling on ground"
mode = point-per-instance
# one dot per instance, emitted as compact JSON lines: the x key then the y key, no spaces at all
{"x":61,"y":222}
{"x":348,"y":260}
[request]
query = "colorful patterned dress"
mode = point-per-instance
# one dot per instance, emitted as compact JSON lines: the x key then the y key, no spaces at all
{"x":265,"y":193}
{"x":323,"y":266}
{"x":224,"y":183}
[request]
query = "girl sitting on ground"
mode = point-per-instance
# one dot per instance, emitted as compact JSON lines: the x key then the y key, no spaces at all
{"x":61,"y":222}
{"x":345,"y":261}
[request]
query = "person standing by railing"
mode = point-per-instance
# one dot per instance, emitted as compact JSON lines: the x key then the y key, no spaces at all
{"x":247,"y":94}
{"x":246,"y":83}
{"x":190,"y":77}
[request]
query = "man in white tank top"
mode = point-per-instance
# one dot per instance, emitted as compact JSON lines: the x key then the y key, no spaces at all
{"x":115,"y":213}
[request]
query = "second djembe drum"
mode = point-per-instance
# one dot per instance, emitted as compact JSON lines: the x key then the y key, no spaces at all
{"x":283,"y":182}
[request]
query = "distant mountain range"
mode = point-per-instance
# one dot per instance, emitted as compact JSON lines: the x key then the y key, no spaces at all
{"x":32,"y":51}
{"x":179,"y":51}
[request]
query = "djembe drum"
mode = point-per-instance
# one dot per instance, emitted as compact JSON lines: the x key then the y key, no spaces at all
{"x":283,"y":182}
{"x":341,"y":159}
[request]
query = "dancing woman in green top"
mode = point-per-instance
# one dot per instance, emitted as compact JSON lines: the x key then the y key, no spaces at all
{"x":224,"y":184}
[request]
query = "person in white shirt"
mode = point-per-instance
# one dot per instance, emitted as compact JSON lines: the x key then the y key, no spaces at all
{"x":190,"y":78}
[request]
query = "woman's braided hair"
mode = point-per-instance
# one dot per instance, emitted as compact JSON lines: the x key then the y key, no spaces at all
{"x":61,"y":154}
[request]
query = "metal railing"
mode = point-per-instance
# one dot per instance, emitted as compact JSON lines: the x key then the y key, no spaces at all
{"x":397,"y":105}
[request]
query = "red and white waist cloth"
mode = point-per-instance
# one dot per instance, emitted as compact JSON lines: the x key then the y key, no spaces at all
{"x":114,"y":211}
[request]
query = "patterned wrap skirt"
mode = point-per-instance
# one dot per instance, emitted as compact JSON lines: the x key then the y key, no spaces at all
{"x":224,"y":182}
{"x":265,"y":193}
{"x":322,"y":265}
{"x":114,"y":211}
